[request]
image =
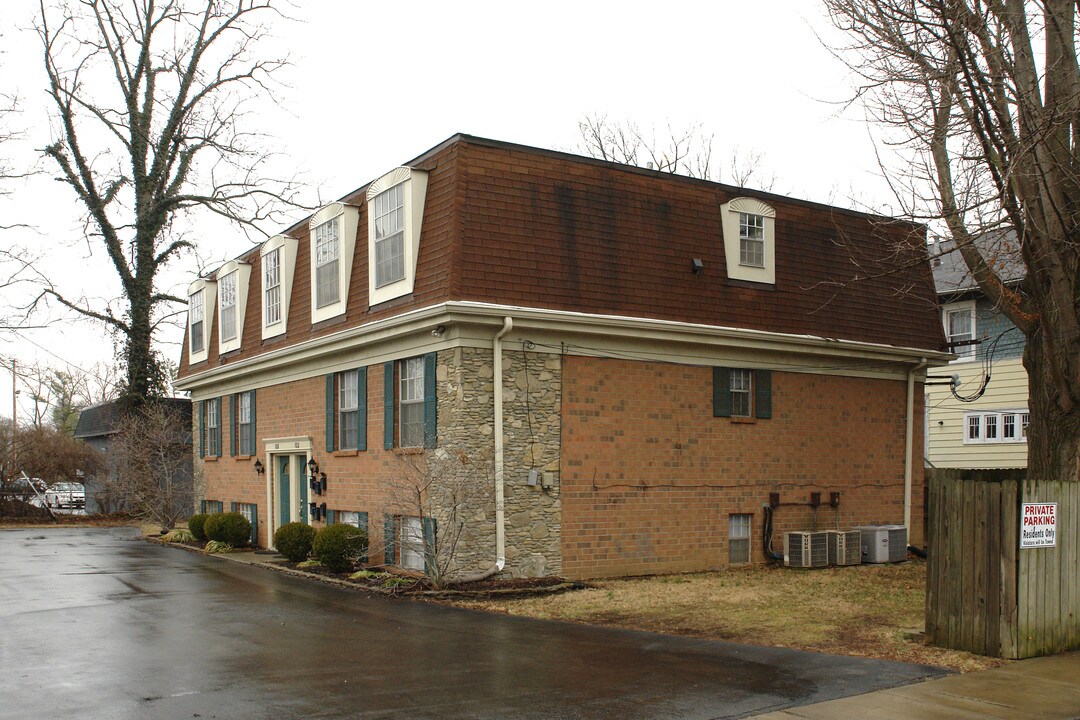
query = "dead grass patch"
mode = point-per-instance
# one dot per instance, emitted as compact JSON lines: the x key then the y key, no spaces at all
{"x":868,"y":610}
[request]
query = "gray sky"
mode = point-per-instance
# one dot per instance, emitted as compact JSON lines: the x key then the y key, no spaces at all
{"x":374,"y":84}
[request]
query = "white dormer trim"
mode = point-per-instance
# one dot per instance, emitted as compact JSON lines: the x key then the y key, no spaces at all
{"x":287,"y":267}
{"x":730,"y":212}
{"x":347,"y":217}
{"x":208,"y":289}
{"x":243,"y":280}
{"x":414,"y":194}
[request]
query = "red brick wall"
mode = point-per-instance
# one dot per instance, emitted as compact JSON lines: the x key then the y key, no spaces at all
{"x":649,"y":476}
{"x":356,"y":481}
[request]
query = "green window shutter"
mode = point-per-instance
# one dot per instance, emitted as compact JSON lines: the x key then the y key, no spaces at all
{"x":254,"y":519}
{"x":362,"y":523}
{"x":430,"y":404}
{"x":202,"y":431}
{"x":763,"y":394}
{"x":253,"y":448}
{"x":330,"y":417}
{"x":361,"y":408}
{"x":220,"y":422}
{"x":233,"y":508}
{"x":721,"y":392}
{"x":331,"y":517}
{"x":429,"y":544}
{"x":389,"y":539}
{"x":388,"y":405}
{"x":202,"y":506}
{"x":234,"y":427}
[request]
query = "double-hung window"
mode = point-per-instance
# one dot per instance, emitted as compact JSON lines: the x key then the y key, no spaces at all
{"x":244,"y":423}
{"x":741,"y":384}
{"x":227,"y":288}
{"x":196,"y":314}
{"x":742,"y":393}
{"x":411,"y":431}
{"x":348,"y":408}
{"x":751,"y":240}
{"x":212,"y":427}
{"x":389,"y":215}
{"x":272,"y":287}
{"x":412,"y":543}
{"x":739,"y":538}
{"x":327,"y":252}
{"x":959,"y":319}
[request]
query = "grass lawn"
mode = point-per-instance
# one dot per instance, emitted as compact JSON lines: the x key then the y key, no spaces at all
{"x":868,"y":610}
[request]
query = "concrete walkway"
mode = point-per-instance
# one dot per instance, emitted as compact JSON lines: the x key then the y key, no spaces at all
{"x":1046,"y":688}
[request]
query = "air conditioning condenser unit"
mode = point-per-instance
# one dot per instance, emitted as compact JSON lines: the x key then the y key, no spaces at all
{"x":806,"y":549}
{"x":845,"y":547}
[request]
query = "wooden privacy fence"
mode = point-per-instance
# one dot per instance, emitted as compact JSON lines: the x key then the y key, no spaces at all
{"x":984,"y":593}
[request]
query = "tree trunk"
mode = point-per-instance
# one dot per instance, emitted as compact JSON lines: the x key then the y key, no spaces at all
{"x":1054,"y":434}
{"x":141,"y":364}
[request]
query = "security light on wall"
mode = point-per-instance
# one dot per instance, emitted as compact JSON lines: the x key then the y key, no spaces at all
{"x":439,"y":331}
{"x":697,"y":266}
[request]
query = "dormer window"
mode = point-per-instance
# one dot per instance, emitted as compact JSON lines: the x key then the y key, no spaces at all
{"x":278,"y":262}
{"x":395,"y":214}
{"x":333,"y":239}
{"x":327,"y":251}
{"x":227,"y":288}
{"x":751,"y":240}
{"x":749,"y":228}
{"x":196,"y":315}
{"x":389,"y":236}
{"x":202,"y":295}
{"x":233,"y":291}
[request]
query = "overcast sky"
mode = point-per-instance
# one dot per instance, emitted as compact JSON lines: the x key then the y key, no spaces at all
{"x":372,"y":85}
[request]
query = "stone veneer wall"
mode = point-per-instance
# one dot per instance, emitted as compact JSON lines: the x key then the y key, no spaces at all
{"x":198,"y":477}
{"x":532,"y":402}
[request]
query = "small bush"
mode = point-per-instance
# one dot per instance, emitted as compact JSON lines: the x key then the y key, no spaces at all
{"x":197,"y":525}
{"x":293,"y":540}
{"x":337,"y":546}
{"x":231,"y":527}
{"x":179,"y":535}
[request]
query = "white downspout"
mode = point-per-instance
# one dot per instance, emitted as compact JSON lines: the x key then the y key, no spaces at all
{"x":500,"y":522}
{"x":909,"y":442}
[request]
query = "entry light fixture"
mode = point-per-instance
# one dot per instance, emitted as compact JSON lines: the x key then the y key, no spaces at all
{"x":312,"y":466}
{"x":259,"y":469}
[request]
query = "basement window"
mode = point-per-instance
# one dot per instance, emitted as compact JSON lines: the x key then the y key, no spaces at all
{"x":739,"y":538}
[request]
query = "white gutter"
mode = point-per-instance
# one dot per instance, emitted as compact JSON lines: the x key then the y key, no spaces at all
{"x":909,"y":442}
{"x":500,"y":522}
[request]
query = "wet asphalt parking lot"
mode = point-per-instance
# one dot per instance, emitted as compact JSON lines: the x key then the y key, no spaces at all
{"x":97,"y":623}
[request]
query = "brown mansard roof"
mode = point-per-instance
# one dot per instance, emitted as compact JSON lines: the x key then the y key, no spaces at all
{"x":515,"y":225}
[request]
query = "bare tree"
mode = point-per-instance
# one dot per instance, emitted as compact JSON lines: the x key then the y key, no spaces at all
{"x":148,"y":453}
{"x":443,"y":490}
{"x":982,"y":99}
{"x":688,"y":151}
{"x":150,"y":102}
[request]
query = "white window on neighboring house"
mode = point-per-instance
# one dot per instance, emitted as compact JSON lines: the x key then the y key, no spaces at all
{"x":411,"y":400}
{"x":959,"y":320}
{"x":412,"y":543}
{"x":751,"y":240}
{"x":389,"y":209}
{"x":327,"y":251}
{"x":999,"y":426}
{"x":272,"y":287}
{"x":227,"y":288}
{"x":739,"y":538}
{"x":195,"y":314}
{"x":348,"y":409}
{"x":742,"y":393}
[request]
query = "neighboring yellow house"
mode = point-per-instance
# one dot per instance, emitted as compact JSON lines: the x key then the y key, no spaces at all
{"x":981,"y":421}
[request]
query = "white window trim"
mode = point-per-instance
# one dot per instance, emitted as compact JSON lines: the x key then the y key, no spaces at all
{"x":1020,"y":438}
{"x":208,"y":288}
{"x":243,"y":277}
{"x":287,"y":258}
{"x":348,"y":217}
{"x":414,"y":194}
{"x":729,"y":218}
{"x":965,"y":354}
{"x":747,"y":538}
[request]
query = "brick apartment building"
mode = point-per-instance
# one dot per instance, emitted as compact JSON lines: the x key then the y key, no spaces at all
{"x":607,"y":369}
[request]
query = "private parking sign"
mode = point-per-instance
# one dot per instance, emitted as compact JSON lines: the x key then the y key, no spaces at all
{"x":1038,"y":525}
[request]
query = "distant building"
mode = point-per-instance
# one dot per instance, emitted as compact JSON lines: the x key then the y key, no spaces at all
{"x":97,"y":427}
{"x":966,"y":429}
{"x":632,"y":361}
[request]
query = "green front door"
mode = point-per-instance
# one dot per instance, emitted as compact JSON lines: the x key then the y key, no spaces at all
{"x":286,"y":510}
